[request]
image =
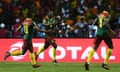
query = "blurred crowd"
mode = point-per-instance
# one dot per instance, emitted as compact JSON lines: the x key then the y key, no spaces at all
{"x":73,"y":18}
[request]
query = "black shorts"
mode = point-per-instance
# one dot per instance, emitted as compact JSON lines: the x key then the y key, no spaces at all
{"x":107,"y":40}
{"x":27,"y":45}
{"x":49,"y":40}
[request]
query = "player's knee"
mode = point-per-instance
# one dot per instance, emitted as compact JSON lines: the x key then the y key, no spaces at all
{"x":23,"y":53}
{"x":95,"y":47}
{"x":55,"y":45}
{"x":111,"y":47}
{"x":46,"y":46}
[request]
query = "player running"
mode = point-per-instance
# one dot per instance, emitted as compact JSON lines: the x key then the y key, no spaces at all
{"x":103,"y":33}
{"x":49,"y":23}
{"x":28,"y":26}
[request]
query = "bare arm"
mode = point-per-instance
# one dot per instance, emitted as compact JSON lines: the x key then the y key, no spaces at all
{"x":38,"y":29}
{"x":17,"y":29}
{"x":108,"y":26}
{"x":94,"y":21}
{"x":110,"y":30}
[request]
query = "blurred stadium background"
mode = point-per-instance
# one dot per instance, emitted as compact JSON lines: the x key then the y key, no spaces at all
{"x":69,"y":13}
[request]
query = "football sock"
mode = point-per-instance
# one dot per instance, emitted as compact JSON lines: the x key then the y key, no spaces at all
{"x":90,"y":55}
{"x":40,"y":50}
{"x":16,"y":53}
{"x":54,"y":54}
{"x":32,"y":57}
{"x":108,"y":54}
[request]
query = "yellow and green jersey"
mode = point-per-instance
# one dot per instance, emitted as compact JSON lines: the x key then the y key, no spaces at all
{"x":102,"y":29}
{"x":28,"y":29}
{"x":50,"y":26}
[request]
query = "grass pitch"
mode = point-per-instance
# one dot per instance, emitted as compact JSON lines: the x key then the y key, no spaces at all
{"x":50,"y":67}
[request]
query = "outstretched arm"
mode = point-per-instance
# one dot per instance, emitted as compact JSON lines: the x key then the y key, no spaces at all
{"x":38,"y":29}
{"x":108,"y":26}
{"x":17,"y":29}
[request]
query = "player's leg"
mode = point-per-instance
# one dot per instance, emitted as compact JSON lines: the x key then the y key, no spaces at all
{"x":46,"y":45}
{"x":17,"y":52}
{"x":32,"y":56}
{"x":92,"y":51}
{"x":33,"y":61}
{"x":54,"y":52}
{"x":109,"y":42}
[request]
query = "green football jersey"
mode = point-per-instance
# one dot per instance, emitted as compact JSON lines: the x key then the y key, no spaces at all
{"x":50,"y":26}
{"x":28,"y":30}
{"x":102,"y":29}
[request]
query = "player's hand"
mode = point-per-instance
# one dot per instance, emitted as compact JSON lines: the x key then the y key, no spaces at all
{"x":113,"y":32}
{"x":47,"y":31}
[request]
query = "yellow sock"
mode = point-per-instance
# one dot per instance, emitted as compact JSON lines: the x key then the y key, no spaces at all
{"x":109,"y":52}
{"x":90,"y":55}
{"x":40,"y":50}
{"x":54,"y":54}
{"x":32,"y":57}
{"x":16,"y":53}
